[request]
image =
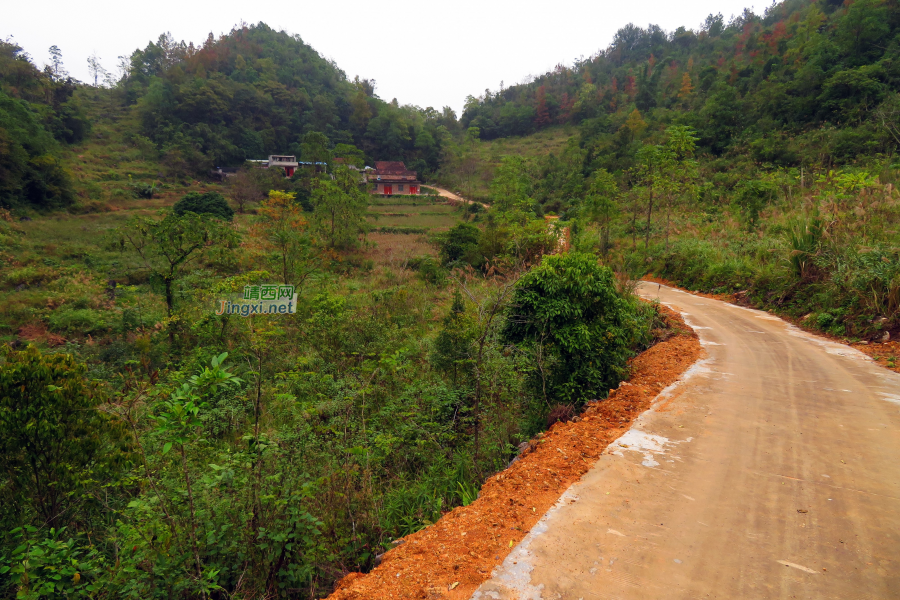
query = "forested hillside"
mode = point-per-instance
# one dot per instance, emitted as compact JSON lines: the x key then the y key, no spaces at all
{"x":806,"y":81}
{"x":182,"y":110}
{"x":756,"y":156}
{"x":37,"y":115}
{"x":257,"y":91}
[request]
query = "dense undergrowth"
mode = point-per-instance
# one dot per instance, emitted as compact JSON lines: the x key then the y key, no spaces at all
{"x":821,"y":253}
{"x":233,"y":456}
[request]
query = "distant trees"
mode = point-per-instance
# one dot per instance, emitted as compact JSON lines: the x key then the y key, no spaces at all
{"x":794,"y":68}
{"x":339,"y":208}
{"x":543,"y":112}
{"x":96,"y":69}
{"x":55,"y":69}
{"x":257,"y":91}
{"x":208,"y":203}
{"x":35,"y":115}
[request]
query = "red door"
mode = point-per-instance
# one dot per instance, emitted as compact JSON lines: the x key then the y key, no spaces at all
{"x":388,"y":190}
{"x":414,"y":189}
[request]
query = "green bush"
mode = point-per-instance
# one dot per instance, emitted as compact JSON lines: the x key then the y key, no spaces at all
{"x":78,"y":320}
{"x":581,"y":330}
{"x":25,"y":276}
{"x":139,"y":189}
{"x":210,"y":203}
{"x":53,"y":441}
{"x":430,"y":270}
{"x":459,"y":246}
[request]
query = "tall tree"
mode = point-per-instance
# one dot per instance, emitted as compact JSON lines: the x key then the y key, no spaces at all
{"x":167,"y":247}
{"x":339,"y":208}
{"x":543,"y":112}
{"x":96,"y":69}
{"x":601,"y":204}
{"x":651,"y":171}
{"x":56,"y":69}
{"x":281,"y":230}
{"x":510,"y":190}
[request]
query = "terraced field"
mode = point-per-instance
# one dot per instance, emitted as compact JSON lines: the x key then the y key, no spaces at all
{"x":412,"y":215}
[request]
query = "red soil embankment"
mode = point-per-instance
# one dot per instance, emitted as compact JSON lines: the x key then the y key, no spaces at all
{"x":451,"y":558}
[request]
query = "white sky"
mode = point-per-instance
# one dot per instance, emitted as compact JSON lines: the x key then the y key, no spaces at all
{"x":423,"y":53}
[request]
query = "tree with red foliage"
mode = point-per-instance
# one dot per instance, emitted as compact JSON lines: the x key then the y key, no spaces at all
{"x":566,"y":105}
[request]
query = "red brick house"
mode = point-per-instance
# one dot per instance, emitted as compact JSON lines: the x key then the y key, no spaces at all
{"x":393,"y":178}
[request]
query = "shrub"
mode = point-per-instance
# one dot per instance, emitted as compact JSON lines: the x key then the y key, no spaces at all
{"x":752,"y":198}
{"x":78,"y":320}
{"x":210,"y":203}
{"x":459,"y":246}
{"x":143,"y":190}
{"x":52,"y":438}
{"x":25,"y":276}
{"x":582,"y":331}
{"x":430,"y":271}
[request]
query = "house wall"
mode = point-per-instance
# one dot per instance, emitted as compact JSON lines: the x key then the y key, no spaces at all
{"x":397,"y":191}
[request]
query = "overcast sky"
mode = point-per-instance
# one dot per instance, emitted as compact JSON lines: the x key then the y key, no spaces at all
{"x":423,"y":53}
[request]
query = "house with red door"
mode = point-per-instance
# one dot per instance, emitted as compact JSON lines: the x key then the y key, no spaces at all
{"x":392,"y":178}
{"x":288,"y":163}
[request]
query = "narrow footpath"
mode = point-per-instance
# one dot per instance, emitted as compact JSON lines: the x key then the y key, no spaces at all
{"x":771,"y":471}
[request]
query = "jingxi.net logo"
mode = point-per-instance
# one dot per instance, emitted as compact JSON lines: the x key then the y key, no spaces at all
{"x":265,"y":299}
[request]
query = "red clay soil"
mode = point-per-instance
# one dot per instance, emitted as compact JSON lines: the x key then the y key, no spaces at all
{"x":451,"y":558}
{"x":886,"y":354}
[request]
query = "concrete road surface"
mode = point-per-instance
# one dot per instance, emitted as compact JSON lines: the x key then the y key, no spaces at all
{"x":771,"y":471}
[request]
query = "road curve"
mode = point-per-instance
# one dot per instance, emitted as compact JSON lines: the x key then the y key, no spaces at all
{"x":772,"y":470}
{"x":455,"y":197}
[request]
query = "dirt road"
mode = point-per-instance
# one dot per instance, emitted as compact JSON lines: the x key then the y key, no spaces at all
{"x":454,"y":197}
{"x":771,"y":471}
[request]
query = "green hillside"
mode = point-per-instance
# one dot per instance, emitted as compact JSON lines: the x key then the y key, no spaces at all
{"x":176,"y":111}
{"x":755,"y":156}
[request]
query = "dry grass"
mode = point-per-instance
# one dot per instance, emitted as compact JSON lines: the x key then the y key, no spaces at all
{"x":395,"y":249}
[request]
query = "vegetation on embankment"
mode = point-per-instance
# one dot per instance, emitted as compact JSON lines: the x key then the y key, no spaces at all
{"x":514,"y":500}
